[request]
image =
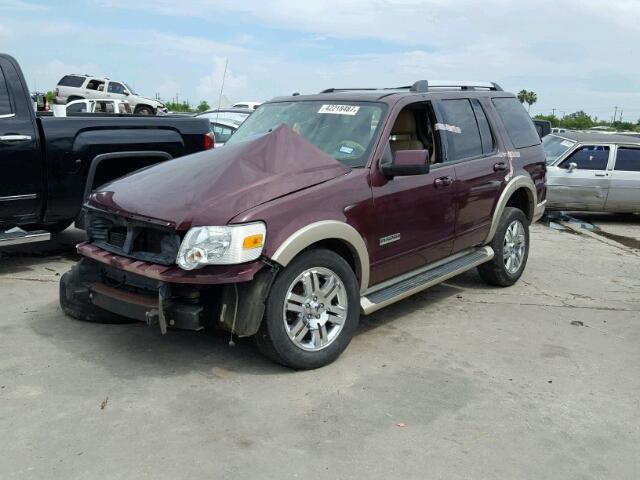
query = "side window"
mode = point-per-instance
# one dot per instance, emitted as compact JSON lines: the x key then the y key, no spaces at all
{"x":460,"y":130}
{"x":517,"y":122}
{"x":628,"y":159}
{"x":71,"y":81}
{"x":221,"y":132}
{"x":589,"y":157}
{"x":488,"y":143}
{"x":95,"y":85}
{"x":115,"y":88}
{"x":5,"y":103}
{"x":77,"y":108}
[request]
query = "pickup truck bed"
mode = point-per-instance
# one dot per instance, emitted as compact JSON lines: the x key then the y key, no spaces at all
{"x":50,"y":164}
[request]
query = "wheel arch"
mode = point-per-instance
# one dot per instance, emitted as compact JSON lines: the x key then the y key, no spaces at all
{"x":334,"y":235}
{"x":520,"y":192}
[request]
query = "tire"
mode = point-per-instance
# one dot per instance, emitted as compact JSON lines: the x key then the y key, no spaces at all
{"x":53,"y":228}
{"x":501,"y":270}
{"x":84,"y":310}
{"x":144,"y":110}
{"x":314,"y":277}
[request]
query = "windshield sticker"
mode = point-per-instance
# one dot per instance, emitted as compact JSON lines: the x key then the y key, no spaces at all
{"x":448,"y":128}
{"x":345,"y":149}
{"x":566,"y":143}
{"x":339,"y":109}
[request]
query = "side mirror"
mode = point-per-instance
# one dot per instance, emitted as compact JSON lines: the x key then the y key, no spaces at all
{"x":572,"y":166}
{"x":407,"y":162}
{"x":126,"y":93}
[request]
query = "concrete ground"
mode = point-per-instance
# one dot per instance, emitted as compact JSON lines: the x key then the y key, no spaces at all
{"x":537,"y":381}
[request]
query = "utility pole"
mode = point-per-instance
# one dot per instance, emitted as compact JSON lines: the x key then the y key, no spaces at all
{"x":615,"y":114}
{"x":553,"y":112}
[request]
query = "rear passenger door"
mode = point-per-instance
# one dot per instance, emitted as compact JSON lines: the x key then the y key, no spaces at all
{"x":581,"y":181}
{"x":624,"y":185}
{"x":21,"y":176}
{"x":480,"y":167}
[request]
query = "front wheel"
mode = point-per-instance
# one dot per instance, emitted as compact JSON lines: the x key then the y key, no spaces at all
{"x":511,"y":247}
{"x":144,"y":111}
{"x":312,"y":311}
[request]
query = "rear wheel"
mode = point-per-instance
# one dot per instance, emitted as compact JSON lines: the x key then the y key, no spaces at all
{"x":312,"y":311}
{"x":511,"y":247}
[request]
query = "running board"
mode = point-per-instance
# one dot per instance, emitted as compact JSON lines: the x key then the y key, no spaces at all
{"x":406,"y":285}
{"x":17,"y":236}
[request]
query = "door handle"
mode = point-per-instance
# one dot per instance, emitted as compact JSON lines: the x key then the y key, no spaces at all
{"x":443,"y":181}
{"x":499,"y":167}
{"x":601,"y":174}
{"x":14,"y":138}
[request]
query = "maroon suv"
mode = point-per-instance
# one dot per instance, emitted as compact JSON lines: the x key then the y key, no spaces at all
{"x":319,"y":208}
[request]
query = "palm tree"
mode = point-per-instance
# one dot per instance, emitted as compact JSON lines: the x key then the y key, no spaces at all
{"x":522,"y":96}
{"x":532,"y":98}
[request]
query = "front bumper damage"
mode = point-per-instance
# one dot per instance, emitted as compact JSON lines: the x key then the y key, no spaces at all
{"x":99,"y":292}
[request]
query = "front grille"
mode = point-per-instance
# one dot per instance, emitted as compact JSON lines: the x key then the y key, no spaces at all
{"x":133,"y":239}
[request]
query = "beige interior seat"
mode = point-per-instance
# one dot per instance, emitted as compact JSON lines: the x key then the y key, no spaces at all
{"x":404,"y":134}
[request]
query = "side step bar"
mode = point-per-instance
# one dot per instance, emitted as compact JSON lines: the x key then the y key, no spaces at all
{"x":17,"y":236}
{"x":396,"y":289}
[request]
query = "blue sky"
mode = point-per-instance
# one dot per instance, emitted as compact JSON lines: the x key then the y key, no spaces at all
{"x":576,"y":54}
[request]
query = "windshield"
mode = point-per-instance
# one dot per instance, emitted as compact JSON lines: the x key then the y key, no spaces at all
{"x":233,"y":117}
{"x":131,"y":90}
{"x":554,"y":147}
{"x":343,"y":130}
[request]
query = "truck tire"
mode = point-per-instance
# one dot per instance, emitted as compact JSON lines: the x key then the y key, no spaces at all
{"x":312,"y":311}
{"x":511,"y":247}
{"x":83,"y":309}
{"x":144,"y":110}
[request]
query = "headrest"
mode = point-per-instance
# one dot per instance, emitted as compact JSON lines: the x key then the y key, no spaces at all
{"x":405,"y":123}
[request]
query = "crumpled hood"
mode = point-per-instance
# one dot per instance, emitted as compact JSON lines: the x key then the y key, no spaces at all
{"x":212,"y":187}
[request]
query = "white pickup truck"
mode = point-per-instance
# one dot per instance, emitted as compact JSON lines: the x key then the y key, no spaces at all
{"x":92,"y":106}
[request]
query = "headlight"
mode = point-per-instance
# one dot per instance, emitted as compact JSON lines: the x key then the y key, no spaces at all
{"x":221,"y":245}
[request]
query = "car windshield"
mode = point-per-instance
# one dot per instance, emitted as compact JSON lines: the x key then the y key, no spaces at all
{"x":131,"y":90}
{"x":344,"y":130}
{"x":234,"y":117}
{"x":554,"y":147}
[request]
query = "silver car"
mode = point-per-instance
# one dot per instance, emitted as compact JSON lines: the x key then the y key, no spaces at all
{"x":593,"y":172}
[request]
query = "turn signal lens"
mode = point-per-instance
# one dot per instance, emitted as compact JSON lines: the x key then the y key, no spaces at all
{"x":253,"y":241}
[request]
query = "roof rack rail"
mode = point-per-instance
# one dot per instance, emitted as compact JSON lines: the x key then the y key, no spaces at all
{"x":423,"y":86}
{"x":332,"y":90}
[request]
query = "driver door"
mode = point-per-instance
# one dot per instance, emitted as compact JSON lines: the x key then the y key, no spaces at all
{"x":585,"y":184}
{"x":414,"y":215}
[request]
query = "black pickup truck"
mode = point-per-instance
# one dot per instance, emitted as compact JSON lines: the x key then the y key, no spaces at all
{"x":49,"y":165}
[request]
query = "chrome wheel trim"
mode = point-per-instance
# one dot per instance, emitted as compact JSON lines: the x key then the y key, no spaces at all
{"x":315,"y":309}
{"x":514,"y":246}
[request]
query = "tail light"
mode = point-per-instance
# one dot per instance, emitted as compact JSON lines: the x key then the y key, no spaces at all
{"x":57,"y":92}
{"x":209,"y":141}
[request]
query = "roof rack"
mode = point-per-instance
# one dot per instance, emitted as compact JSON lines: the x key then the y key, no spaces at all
{"x":422,"y":86}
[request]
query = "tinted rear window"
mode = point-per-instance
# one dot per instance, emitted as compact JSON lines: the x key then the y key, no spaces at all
{"x":71,"y":81}
{"x":628,"y":159}
{"x":463,"y":137}
{"x":5,"y":104}
{"x":517,"y":122}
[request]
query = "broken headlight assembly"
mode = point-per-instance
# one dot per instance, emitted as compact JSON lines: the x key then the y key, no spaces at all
{"x":226,"y":245}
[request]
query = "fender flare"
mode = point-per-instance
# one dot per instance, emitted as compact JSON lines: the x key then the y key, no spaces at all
{"x":327,"y":230}
{"x":521,"y":181}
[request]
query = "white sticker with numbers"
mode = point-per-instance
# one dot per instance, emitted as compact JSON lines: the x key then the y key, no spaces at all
{"x":339,"y":109}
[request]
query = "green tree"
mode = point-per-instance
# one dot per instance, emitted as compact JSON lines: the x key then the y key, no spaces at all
{"x":522,"y":96}
{"x":577,"y":121}
{"x":179,"y":107}
{"x":50,"y":97}
{"x":555,"y":121}
{"x":203,"y":106}
{"x":532,"y":98}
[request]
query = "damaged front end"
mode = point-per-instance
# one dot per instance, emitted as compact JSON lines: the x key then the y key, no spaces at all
{"x":128,"y":273}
